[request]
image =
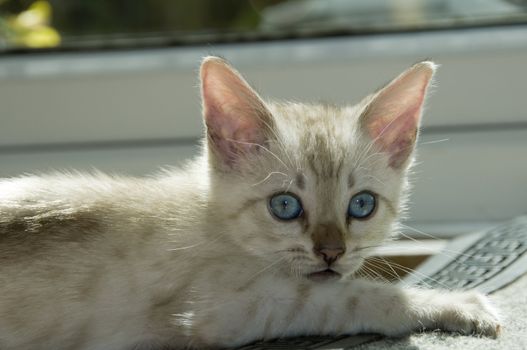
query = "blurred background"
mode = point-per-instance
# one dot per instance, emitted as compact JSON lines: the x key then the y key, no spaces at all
{"x":112,"y":85}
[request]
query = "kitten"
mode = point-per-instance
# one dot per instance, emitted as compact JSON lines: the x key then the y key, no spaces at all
{"x":257,"y":238}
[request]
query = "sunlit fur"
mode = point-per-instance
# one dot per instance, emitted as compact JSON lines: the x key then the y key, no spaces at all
{"x":193,"y":257}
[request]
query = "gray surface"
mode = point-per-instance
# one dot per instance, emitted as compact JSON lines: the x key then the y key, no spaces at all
{"x":512,"y":302}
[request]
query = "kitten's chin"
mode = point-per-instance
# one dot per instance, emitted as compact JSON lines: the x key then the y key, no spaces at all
{"x":324,"y":276}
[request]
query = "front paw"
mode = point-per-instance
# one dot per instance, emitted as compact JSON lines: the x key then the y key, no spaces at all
{"x":468,"y":313}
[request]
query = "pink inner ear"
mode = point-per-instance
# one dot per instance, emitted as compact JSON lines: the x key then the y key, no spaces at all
{"x":233,"y":111}
{"x":392,"y":119}
{"x":396,"y":136}
{"x":234,"y":135}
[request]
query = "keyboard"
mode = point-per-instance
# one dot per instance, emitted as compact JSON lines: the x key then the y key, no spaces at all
{"x":485,"y":261}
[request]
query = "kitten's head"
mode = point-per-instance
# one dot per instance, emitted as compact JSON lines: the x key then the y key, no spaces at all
{"x":308,"y":187}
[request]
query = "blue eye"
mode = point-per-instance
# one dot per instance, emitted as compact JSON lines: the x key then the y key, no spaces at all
{"x":361,"y":205}
{"x":285,"y":206}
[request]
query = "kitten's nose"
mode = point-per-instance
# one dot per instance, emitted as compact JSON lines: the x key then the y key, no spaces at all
{"x":329,"y":254}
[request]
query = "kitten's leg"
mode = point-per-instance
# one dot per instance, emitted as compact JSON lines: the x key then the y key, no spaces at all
{"x":285,"y":309}
{"x":392,"y":310}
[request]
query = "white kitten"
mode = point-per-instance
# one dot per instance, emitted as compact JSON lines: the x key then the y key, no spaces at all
{"x":256,"y":239}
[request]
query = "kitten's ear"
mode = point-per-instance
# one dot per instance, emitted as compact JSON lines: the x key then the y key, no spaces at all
{"x":236,"y":117}
{"x":393,"y":115}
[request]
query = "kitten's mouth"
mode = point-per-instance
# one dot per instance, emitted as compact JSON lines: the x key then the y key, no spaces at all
{"x":324,"y":275}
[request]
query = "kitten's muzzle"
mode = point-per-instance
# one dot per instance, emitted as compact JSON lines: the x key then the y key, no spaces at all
{"x":328,"y":242}
{"x":329,"y":254}
{"x":324,"y":275}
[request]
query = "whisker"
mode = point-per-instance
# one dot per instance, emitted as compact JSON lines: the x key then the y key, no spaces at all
{"x":265,"y":269}
{"x":415,"y":273}
{"x":359,"y":166}
{"x":392,"y":272}
{"x":205,"y":242}
{"x":367,"y":247}
{"x":268,"y":176}
{"x":401,"y":267}
{"x":419,"y":231}
{"x":372,"y":274}
{"x":262,"y":147}
{"x":382,"y":269}
{"x":289,"y":185}
{"x":447,"y":252}
{"x":374,"y":178}
{"x":432,"y":142}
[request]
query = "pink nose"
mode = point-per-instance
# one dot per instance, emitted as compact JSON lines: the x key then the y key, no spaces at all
{"x":330,"y":255}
